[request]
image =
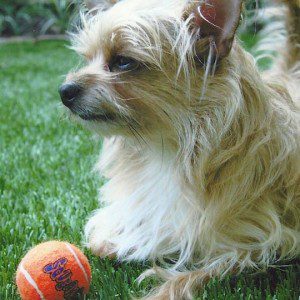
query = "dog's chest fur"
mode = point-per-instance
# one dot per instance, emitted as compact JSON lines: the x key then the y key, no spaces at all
{"x":143,"y":189}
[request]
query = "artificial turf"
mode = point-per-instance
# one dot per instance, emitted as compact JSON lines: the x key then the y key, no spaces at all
{"x":47,"y":188}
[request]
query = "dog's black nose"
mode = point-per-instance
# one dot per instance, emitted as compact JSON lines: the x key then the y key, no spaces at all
{"x":69,"y":92}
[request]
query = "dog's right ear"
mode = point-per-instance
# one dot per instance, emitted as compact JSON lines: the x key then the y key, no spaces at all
{"x":216,"y":19}
{"x":94,"y":5}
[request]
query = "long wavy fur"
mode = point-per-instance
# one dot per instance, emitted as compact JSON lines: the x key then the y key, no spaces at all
{"x":202,"y":178}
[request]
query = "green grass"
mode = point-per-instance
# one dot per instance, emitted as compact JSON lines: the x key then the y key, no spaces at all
{"x":47,"y":189}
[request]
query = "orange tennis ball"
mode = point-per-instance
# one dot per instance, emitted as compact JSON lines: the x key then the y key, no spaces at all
{"x":53,"y":271}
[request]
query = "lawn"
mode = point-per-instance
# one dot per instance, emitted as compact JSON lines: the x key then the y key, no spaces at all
{"x":47,"y":188}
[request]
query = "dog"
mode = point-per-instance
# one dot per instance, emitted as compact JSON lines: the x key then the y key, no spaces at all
{"x":201,"y":149}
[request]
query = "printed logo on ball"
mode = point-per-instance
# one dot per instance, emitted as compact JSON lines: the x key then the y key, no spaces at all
{"x":62,"y":276}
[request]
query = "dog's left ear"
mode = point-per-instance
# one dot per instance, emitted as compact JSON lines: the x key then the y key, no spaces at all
{"x":218,"y":20}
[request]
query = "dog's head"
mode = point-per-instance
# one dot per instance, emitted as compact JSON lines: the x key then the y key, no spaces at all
{"x":146,"y":62}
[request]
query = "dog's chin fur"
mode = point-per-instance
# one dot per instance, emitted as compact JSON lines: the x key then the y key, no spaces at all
{"x":203,"y":175}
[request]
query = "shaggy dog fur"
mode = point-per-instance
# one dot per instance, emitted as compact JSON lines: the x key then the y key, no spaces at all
{"x":201,"y":150}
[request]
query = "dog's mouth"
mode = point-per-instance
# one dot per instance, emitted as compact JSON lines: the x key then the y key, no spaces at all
{"x":105,"y":117}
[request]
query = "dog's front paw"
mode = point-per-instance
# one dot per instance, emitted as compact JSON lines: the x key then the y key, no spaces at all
{"x":102,"y":249}
{"x":98,"y":234}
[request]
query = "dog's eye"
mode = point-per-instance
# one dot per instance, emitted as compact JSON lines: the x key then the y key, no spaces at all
{"x":122,"y":63}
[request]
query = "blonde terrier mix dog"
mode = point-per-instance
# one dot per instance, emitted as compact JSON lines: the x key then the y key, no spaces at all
{"x":201,"y":150}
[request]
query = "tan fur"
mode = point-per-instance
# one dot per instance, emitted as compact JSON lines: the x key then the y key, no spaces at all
{"x":293,"y":27}
{"x":212,"y":182}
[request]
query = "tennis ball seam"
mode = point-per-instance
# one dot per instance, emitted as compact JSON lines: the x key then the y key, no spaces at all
{"x":68,"y":246}
{"x":31,"y":281}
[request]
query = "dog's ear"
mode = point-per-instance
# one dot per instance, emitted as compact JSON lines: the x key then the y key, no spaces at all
{"x":218,"y":20}
{"x":99,"y":4}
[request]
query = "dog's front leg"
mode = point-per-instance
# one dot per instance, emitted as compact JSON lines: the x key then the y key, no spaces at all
{"x":99,"y":232}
